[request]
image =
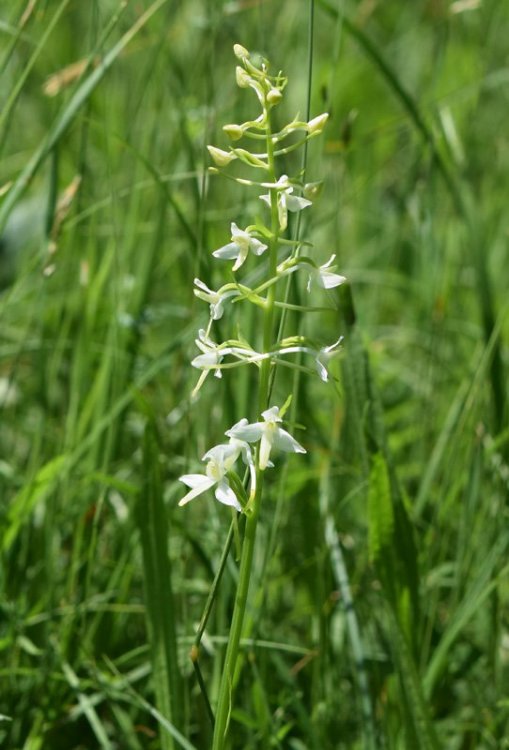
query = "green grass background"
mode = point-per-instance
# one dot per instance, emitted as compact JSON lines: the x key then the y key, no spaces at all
{"x":378,"y":614}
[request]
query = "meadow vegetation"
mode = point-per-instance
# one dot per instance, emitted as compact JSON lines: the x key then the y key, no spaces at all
{"x":377,"y":614}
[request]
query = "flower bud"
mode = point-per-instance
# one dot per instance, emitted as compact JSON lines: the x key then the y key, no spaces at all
{"x":274,"y":96}
{"x":312,"y":190}
{"x":234,"y":132}
{"x":243,"y":79}
{"x":240,"y":52}
{"x":219,"y":157}
{"x":317,"y":124}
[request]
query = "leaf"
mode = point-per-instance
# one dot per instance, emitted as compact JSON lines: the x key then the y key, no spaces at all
{"x":380,"y":510}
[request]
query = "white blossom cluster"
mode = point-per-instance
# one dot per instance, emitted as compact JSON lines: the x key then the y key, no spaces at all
{"x":255,"y":241}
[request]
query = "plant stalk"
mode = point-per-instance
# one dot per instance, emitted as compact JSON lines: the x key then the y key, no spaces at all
{"x":225,"y":699}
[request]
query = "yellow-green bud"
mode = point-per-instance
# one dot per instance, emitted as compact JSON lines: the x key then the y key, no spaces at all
{"x":274,"y":96}
{"x":240,"y":52}
{"x":219,"y":157}
{"x":317,"y":124}
{"x":243,"y":79}
{"x":234,"y":132}
{"x":312,"y":190}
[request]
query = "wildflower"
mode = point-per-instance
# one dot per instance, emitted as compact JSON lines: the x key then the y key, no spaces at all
{"x":220,"y":461}
{"x":241,"y":243}
{"x":270,"y":434}
{"x":285,"y":200}
{"x":324,"y":276}
{"x":216,"y":300}
{"x":322,"y":359}
{"x":211,"y":354}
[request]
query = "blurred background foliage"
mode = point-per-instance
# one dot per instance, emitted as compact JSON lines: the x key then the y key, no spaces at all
{"x":379,"y":614}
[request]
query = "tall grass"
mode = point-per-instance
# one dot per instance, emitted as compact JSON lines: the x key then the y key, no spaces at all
{"x":377,"y":615}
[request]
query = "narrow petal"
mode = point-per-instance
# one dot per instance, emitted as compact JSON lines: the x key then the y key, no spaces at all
{"x":226,"y":495}
{"x":282,"y":211}
{"x":322,"y":370}
{"x":329,"y":262}
{"x":265,"y":448}
{"x":199,"y":484}
{"x":241,"y":257}
{"x":201,"y":285}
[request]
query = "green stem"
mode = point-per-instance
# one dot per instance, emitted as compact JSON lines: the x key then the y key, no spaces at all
{"x":226,"y":688}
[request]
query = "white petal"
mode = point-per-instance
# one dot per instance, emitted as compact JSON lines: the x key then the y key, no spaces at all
{"x":217,"y":309}
{"x":285,"y":442}
{"x":272,"y":414}
{"x":293,"y":203}
{"x":322,"y":370}
{"x":241,"y":257}
{"x":330,"y":280}
{"x":198,"y":482}
{"x":329,"y":262}
{"x":250,"y":433}
{"x":282,"y":211}
{"x":265,"y":448}
{"x":208,"y":360}
{"x":226,"y":495}
{"x":224,"y":454}
{"x":201,"y":285}
{"x":256,"y":246}
{"x":265,"y":199}
{"x":227,"y":252}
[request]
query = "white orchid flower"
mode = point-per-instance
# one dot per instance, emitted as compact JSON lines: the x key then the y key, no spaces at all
{"x":241,"y":244}
{"x":285,"y":200}
{"x":213,"y":354}
{"x":324,"y":276}
{"x":322,"y":359}
{"x":220,"y":461}
{"x":269,"y":433}
{"x":216,"y":300}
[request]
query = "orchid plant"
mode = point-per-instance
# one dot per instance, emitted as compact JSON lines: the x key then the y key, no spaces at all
{"x":255,"y":444}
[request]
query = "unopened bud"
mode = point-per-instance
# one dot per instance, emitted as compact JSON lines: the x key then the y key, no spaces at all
{"x":234,"y":132}
{"x":317,"y":124}
{"x":312,"y":190}
{"x":219,"y":157}
{"x":240,"y":52}
{"x":274,"y":96}
{"x":243,"y":79}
